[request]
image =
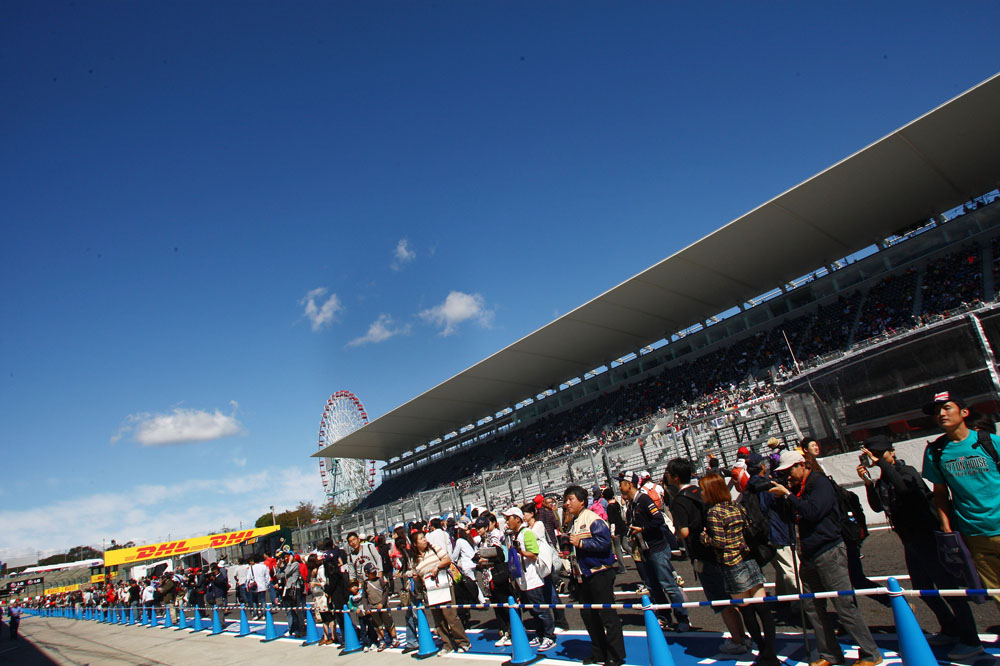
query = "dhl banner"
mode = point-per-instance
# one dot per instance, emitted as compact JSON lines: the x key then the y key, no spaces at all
{"x":97,"y":578}
{"x":60,"y":590}
{"x":182,"y":546}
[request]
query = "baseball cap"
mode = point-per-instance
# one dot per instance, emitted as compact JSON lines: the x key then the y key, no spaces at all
{"x":753,"y":461}
{"x":539,"y":500}
{"x":878,"y":444}
{"x":513,"y":511}
{"x":370,"y":568}
{"x":631,"y":477}
{"x":941,"y":397}
{"x":481,"y":522}
{"x":789,"y":458}
{"x":743,"y":451}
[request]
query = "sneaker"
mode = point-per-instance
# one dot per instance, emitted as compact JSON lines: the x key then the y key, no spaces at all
{"x":546,"y":644}
{"x":503,"y":642}
{"x":410,"y":648}
{"x":961,"y":652}
{"x":729,"y":646}
{"x":444,"y":650}
{"x":382,"y":647}
{"x":560,"y":630}
{"x":464,"y":648}
{"x":683,"y":627}
{"x":941,"y":638}
{"x":534,"y":642}
{"x":368,"y":648}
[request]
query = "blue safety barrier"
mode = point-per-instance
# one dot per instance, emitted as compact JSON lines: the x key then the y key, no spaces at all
{"x":428,"y":648}
{"x":270,"y":633}
{"x":521,"y":653}
{"x":351,"y":642}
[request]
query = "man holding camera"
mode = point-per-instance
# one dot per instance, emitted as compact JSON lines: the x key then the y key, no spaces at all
{"x":909,"y":506}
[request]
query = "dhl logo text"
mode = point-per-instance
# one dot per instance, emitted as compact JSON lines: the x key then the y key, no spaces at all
{"x":162,"y":550}
{"x":219,"y":540}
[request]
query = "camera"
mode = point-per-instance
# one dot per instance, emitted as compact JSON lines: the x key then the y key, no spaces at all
{"x":864,"y":459}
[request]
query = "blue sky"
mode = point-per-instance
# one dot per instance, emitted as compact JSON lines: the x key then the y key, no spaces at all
{"x":217,"y":214}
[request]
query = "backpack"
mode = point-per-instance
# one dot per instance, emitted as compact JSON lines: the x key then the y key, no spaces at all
{"x":758,"y":525}
{"x":692,"y":496}
{"x":853,"y":524}
{"x":983,"y":440}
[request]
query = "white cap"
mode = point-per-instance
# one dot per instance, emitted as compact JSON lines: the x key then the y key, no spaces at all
{"x":513,"y":511}
{"x":788,"y":459}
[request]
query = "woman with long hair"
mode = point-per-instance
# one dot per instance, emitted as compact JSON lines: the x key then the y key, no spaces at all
{"x":320,"y":602}
{"x":725,"y":523}
{"x":431,"y":563}
{"x":463,"y":555}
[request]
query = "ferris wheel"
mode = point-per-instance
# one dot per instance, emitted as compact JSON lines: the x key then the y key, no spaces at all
{"x":344,"y":479}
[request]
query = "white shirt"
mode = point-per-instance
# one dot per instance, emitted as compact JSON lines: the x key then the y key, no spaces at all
{"x":440,"y":539}
{"x":260,"y":575}
{"x":462,"y":557}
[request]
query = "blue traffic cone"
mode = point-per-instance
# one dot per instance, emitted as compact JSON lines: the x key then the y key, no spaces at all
{"x":351,"y":642}
{"x":312,"y":635}
{"x":521,"y":652}
{"x":270,"y":633}
{"x":152,"y":617}
{"x":428,"y":648}
{"x":197,"y":624}
{"x":913,"y":647}
{"x":131,"y":615}
{"x":167,"y":623}
{"x":659,"y":653}
{"x":216,"y":623}
{"x":182,"y":622}
{"x":244,"y":623}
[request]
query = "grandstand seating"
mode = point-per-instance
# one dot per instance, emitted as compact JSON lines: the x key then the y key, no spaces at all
{"x":705,"y":382}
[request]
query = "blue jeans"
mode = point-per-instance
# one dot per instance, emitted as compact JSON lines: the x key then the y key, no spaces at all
{"x":543,"y":617}
{"x":658,"y":574}
{"x":411,"y":630}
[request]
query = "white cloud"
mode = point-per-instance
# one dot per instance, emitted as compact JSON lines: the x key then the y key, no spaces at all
{"x":403,"y":255}
{"x":180,"y":426}
{"x":457,"y":308}
{"x":381,"y":330}
{"x":319,"y":314}
{"x":152,"y":513}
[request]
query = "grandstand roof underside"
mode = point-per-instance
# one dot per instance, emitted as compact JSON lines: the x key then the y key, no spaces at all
{"x":929,"y":166}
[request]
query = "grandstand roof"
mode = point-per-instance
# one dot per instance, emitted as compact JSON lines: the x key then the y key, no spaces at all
{"x":929,"y":166}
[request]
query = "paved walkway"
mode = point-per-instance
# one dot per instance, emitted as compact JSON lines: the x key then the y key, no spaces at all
{"x":47,"y":641}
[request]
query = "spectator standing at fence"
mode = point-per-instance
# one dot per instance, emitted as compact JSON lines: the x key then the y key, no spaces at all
{"x":360,"y":554}
{"x":824,"y":561}
{"x":593,"y":569}
{"x":652,"y":544}
{"x":495,"y":576}
{"x":258,"y":583}
{"x":534,"y":562}
{"x":725,"y":525}
{"x":530,"y":512}
{"x":909,"y":506}
{"x":13,"y":620}
{"x":431,"y":565}
{"x":779,"y":528}
{"x":438,"y":536}
{"x":966,"y":464}
{"x":619,"y":530}
{"x":688,"y":510}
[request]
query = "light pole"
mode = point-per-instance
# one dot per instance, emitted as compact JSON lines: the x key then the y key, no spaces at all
{"x":274,"y":521}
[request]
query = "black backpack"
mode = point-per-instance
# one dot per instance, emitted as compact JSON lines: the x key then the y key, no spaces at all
{"x":757,"y":530}
{"x":853,"y":524}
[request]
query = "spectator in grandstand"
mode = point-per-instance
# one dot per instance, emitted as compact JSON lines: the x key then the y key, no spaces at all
{"x":824,"y":561}
{"x":725,"y":527}
{"x":593,"y":569}
{"x":651,"y":545}
{"x":780,"y":532}
{"x":909,"y":506}
{"x":361,"y":553}
{"x":966,"y":463}
{"x":530,"y":561}
{"x":688,"y":511}
{"x":430,"y":564}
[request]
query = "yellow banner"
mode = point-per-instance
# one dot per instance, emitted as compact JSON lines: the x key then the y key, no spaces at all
{"x":60,"y":590}
{"x":97,"y":578}
{"x":182,"y":546}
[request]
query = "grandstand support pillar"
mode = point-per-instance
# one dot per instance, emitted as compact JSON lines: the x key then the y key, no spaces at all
{"x":520,"y":479}
{"x":795,"y":421}
{"x":486,"y":493}
{"x":991,"y":361}
{"x":455,"y":505}
{"x":593,"y":466}
{"x":385,"y":517}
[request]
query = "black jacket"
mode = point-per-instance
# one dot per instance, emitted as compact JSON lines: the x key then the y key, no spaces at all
{"x":906,"y":500}
{"x":818,"y":515}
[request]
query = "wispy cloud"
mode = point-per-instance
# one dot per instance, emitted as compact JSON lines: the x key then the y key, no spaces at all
{"x":151,"y":513}
{"x":403,"y":255}
{"x":458,"y":307}
{"x":381,"y":330}
{"x":180,"y":426}
{"x":320,"y":313}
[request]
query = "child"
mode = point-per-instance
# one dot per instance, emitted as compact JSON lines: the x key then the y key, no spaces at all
{"x":355,"y":606}
{"x":376,"y":598}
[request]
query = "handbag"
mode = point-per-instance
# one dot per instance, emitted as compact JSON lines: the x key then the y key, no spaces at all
{"x":956,"y":558}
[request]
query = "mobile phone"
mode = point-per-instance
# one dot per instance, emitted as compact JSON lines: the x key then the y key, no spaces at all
{"x":864,"y":459}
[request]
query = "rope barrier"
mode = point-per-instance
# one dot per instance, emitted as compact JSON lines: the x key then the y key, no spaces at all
{"x":864,"y":592}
